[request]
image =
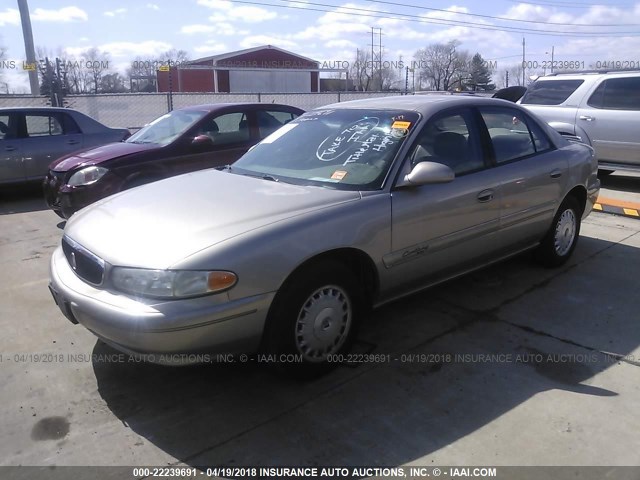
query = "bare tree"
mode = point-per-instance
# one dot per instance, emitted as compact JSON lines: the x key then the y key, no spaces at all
{"x":3,"y":54}
{"x":97,"y":63}
{"x":360,"y":71}
{"x":142,"y":73}
{"x":112,"y":83}
{"x":441,"y":65}
{"x":510,"y":76}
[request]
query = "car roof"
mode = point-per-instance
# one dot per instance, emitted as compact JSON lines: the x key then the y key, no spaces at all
{"x":34,"y":109}
{"x":424,"y":104}
{"x":211,"y":107}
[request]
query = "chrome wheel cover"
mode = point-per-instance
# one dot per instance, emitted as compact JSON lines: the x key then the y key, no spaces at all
{"x":565,"y":233}
{"x":323,"y":323}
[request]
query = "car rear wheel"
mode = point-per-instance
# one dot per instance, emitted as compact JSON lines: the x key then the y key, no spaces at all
{"x":561,"y":239}
{"x":314,"y":320}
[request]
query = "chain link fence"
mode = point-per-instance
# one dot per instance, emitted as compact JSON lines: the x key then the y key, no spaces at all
{"x":133,"y":110}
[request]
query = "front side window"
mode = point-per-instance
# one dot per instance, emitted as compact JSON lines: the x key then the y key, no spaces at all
{"x":447,"y":139}
{"x":227,"y":129}
{"x":617,"y":94}
{"x":513,"y":134}
{"x":39,"y":125}
{"x":550,"y":92}
{"x":346,"y":149}
{"x":163,"y":130}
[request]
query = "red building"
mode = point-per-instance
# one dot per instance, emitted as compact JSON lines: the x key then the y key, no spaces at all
{"x":265,"y":69}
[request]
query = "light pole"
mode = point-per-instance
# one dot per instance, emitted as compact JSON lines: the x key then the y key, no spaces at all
{"x":547,"y":53}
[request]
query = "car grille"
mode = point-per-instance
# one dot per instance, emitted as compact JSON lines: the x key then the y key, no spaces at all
{"x":85,"y":264}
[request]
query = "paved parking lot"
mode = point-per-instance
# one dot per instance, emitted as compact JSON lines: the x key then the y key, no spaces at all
{"x":513,"y":365}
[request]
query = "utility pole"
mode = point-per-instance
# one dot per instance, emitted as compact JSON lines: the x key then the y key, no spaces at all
{"x":29,"y":50}
{"x":506,"y":81}
{"x":552,"y":49}
{"x":523,"y":64}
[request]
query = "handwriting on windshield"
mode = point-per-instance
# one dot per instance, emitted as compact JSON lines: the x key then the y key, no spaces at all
{"x":349,"y":138}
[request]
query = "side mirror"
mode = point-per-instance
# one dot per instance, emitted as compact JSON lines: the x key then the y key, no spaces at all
{"x":202,"y":140}
{"x":425,"y":173}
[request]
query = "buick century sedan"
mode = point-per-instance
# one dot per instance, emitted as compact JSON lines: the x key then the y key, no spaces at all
{"x":345,"y":208}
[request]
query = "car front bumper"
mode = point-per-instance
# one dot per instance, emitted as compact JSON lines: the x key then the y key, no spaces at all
{"x":166,"y":332}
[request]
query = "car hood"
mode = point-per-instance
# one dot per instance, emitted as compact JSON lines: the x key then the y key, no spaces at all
{"x":97,"y":155}
{"x":159,"y":224}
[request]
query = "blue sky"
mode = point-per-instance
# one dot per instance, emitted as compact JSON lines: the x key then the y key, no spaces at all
{"x":127,"y":29}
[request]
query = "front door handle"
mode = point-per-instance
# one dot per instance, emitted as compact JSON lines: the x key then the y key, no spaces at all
{"x":556,"y":174}
{"x":10,"y":148}
{"x":588,"y":118}
{"x":485,"y":195}
{"x":73,"y":142}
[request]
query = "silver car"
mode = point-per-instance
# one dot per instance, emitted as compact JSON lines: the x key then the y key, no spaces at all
{"x":602,"y":108}
{"x":33,"y":137}
{"x":347,"y":207}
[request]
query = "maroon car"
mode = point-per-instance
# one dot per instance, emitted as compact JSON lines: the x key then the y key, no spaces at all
{"x":181,"y":141}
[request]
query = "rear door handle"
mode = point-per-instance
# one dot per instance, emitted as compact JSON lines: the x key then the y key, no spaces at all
{"x":485,"y":196}
{"x":72,"y":142}
{"x":556,"y":174}
{"x":588,"y":118}
{"x":9,"y":148}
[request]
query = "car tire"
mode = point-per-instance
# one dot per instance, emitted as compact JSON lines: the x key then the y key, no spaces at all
{"x":561,"y":239}
{"x":314,"y":320}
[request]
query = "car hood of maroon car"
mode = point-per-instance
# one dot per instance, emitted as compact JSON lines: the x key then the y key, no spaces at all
{"x":98,"y":155}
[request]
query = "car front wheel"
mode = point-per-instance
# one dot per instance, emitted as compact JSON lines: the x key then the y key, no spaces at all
{"x":314,"y":320}
{"x":561,"y":239}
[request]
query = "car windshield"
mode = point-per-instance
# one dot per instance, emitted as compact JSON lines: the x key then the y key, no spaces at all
{"x":163,"y":130}
{"x":347,"y":149}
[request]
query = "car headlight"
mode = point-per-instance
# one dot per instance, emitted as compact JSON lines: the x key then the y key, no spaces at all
{"x":171,"y":284}
{"x":86,"y":176}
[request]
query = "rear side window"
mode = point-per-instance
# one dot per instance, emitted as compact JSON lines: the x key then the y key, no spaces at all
{"x":550,"y":92}
{"x":617,"y":94}
{"x":228,"y":129}
{"x":43,"y":125}
{"x":4,"y":126}
{"x":271,"y":120}
{"x":513,"y":134}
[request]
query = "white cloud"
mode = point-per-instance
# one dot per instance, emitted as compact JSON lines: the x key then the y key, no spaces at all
{"x":225,"y":10}
{"x":122,"y":49}
{"x":65,"y":14}
{"x":117,"y":11}
{"x":10,"y":16}
{"x":341,"y":44}
{"x":153,"y":6}
{"x":197,"y":28}
{"x":258,"y":40}
{"x":252,"y":14}
{"x":211,"y":47}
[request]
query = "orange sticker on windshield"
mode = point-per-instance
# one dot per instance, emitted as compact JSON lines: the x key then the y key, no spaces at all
{"x":401,"y":125}
{"x":338,"y":175}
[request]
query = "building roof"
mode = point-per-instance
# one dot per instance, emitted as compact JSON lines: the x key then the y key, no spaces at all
{"x":224,"y":56}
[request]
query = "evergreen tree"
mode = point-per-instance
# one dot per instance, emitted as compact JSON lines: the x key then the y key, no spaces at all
{"x":480,"y":74}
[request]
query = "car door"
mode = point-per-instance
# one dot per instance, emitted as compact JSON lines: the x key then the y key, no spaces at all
{"x":611,"y":119}
{"x":221,"y":139}
{"x":46,"y":136}
{"x":439,"y":230}
{"x":10,"y":159}
{"x":531,"y":172}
